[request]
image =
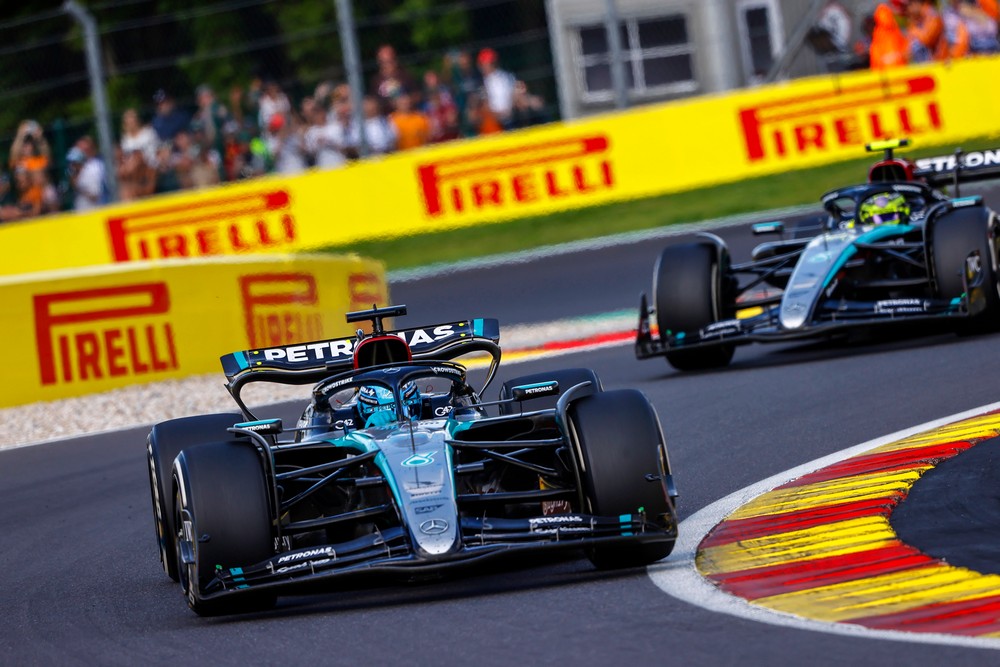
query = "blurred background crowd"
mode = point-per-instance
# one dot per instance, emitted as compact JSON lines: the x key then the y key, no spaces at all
{"x":258,"y":128}
{"x":239,"y":88}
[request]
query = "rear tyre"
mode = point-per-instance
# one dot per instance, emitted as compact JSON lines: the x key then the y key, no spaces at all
{"x":163,"y":444}
{"x":953,"y":237}
{"x":566,"y":377}
{"x":222,"y":514}
{"x":620,"y":443}
{"x":689,"y":294}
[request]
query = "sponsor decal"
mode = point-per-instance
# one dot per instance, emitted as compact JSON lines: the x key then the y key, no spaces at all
{"x":559,"y":523}
{"x":335,"y":349}
{"x":443,"y":411}
{"x":901,"y":306}
{"x":972,"y":159}
{"x":723,"y":328}
{"x":105,"y":332}
{"x":898,"y":106}
{"x":220,"y":226}
{"x":561,"y":169}
{"x":343,"y":423}
{"x":325,"y":552}
{"x":426,"y":509}
{"x":434,"y":526}
{"x":418,"y":460}
{"x":280,"y":308}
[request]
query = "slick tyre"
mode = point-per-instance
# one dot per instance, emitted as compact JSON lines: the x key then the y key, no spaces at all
{"x":164,"y":443}
{"x":688,"y":289}
{"x":623,"y":463}
{"x":953,"y":237}
{"x":566,"y":377}
{"x":223,"y":520}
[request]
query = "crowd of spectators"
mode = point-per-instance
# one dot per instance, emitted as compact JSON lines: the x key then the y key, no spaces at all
{"x":902,"y":32}
{"x":257,"y":129}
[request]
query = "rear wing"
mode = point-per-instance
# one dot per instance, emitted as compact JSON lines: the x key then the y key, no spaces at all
{"x":959,"y":167}
{"x":308,"y":363}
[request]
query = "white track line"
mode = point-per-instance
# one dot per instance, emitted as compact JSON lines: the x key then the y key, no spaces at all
{"x":678,"y":577}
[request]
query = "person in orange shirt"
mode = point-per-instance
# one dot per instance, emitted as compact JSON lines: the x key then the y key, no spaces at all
{"x":889,"y":46}
{"x":924,"y":31}
{"x":413,"y":128}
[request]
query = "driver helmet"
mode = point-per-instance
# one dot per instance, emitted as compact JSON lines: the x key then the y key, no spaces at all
{"x":375,"y":400}
{"x":884,"y":208}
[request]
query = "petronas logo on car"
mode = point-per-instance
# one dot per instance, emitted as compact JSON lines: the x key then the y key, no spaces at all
{"x":418,"y":460}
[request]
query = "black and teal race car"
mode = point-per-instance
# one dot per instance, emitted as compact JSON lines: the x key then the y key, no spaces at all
{"x":398,"y":468}
{"x":894,"y":249}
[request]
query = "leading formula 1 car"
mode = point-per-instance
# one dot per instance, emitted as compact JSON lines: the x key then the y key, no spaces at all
{"x":893,"y":249}
{"x":398,"y":468}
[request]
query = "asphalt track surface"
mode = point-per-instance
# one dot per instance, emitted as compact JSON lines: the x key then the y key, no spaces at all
{"x":80,"y":582}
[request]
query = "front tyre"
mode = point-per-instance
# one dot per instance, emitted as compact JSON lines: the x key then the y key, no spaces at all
{"x":689,"y":284}
{"x":954,"y":236}
{"x":223,"y":521}
{"x":624,"y":466}
{"x":164,"y":443}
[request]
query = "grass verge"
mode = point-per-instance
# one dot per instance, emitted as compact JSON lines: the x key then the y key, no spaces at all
{"x":758,"y":194}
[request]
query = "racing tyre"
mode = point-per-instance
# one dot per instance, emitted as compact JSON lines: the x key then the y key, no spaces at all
{"x":953,"y":237}
{"x":223,"y":520}
{"x":623,"y":469}
{"x":163,"y":444}
{"x":566,"y":377}
{"x":688,"y":288}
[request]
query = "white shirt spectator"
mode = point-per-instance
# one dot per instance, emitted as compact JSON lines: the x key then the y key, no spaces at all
{"x":380,"y":135}
{"x":499,"y":85}
{"x":89,"y":185}
{"x":835,"y":19}
{"x":325,"y":143}
{"x":145,"y":140}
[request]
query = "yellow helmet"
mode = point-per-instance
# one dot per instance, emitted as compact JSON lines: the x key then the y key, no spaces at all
{"x":884,"y":208}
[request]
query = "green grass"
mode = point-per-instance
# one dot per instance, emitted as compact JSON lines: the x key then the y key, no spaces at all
{"x":777,"y":191}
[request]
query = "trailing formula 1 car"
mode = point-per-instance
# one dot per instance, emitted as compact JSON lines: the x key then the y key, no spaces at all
{"x":398,"y":468}
{"x":894,"y":249}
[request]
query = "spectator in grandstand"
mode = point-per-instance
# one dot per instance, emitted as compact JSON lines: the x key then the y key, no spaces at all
{"x":169,"y":119}
{"x":890,"y":47}
{"x":440,"y":109}
{"x":206,"y":164}
{"x":836,"y":22}
{"x":182,"y":159}
{"x":284,"y":142}
{"x":380,"y":133}
{"x":464,"y":81}
{"x":167,"y":179}
{"x":29,"y":193}
{"x":211,"y":115}
{"x":323,"y":141}
{"x":528,"y":109}
{"x":8,"y":200}
{"x":969,"y":28}
{"x":924,"y":31}
{"x":86,"y":175}
{"x":271,"y":102}
{"x":481,"y":118}
{"x":29,"y":148}
{"x":235,"y":152}
{"x":136,"y":176}
{"x":413,"y":127}
{"x":391,"y":78}
{"x":138,"y":137}
{"x":498,"y":86}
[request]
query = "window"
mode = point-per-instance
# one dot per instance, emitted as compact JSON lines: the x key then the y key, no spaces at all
{"x":760,"y":33}
{"x":657,"y":52}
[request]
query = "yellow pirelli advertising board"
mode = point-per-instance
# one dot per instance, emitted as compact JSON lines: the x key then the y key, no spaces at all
{"x":93,"y":329}
{"x":647,"y":151}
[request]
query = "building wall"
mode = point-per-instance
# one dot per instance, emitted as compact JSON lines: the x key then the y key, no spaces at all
{"x":718,"y":52}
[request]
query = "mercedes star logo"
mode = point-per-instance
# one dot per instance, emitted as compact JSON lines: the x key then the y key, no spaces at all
{"x":434,"y":526}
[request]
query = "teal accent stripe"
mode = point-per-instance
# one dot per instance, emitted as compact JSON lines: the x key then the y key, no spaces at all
{"x":477,"y":327}
{"x":876,"y":234}
{"x":236,"y":570}
{"x":625,"y":520}
{"x":242,"y":361}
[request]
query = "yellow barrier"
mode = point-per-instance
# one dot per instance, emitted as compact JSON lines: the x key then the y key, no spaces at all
{"x":647,"y":151}
{"x":77,"y":332}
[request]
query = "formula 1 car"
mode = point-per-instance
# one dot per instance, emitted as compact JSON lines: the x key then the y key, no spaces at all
{"x":894,"y":249}
{"x":398,"y":468}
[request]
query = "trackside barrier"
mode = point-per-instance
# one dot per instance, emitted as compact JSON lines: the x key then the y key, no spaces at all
{"x":652,"y":150}
{"x":69,"y":333}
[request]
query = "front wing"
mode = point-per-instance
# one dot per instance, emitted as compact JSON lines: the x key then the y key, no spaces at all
{"x":388,"y":552}
{"x":832,"y":318}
